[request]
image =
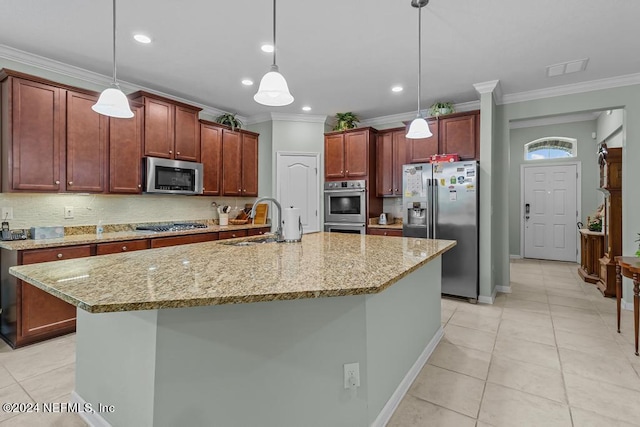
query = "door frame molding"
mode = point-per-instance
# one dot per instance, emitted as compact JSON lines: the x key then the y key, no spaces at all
{"x":578,"y":165}
{"x":316,"y":155}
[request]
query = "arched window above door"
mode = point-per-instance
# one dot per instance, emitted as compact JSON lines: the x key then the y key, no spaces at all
{"x":554,"y":147}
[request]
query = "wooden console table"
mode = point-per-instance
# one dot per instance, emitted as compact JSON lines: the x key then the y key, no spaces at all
{"x":591,"y":250}
{"x":629,"y":266}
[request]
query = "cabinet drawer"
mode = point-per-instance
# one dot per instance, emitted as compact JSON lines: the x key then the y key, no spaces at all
{"x":162,"y":242}
{"x":385,"y":232}
{"x":117,"y":247}
{"x":233,"y":234}
{"x":45,"y":255}
{"x":258,"y":231}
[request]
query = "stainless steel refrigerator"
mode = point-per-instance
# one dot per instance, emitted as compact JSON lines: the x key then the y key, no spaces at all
{"x":440,"y":201}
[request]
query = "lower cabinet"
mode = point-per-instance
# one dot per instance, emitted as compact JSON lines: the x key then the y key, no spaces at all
{"x":258,"y":231}
{"x":119,"y":247}
{"x":385,"y":232}
{"x":232,"y":234}
{"x":163,"y":242}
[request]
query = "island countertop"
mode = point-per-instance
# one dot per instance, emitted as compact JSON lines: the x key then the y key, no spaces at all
{"x":212,"y":273}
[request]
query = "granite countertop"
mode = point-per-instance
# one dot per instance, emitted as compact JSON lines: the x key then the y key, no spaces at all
{"x":211,"y":273}
{"x":82,"y":239}
{"x":396,"y":225}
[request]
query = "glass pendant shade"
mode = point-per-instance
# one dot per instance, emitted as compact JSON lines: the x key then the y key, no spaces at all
{"x":418,"y":129}
{"x":273,"y":90}
{"x":113,"y":103}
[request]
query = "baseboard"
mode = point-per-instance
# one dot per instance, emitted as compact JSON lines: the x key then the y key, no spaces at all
{"x":392,"y":404}
{"x":488,"y":300}
{"x":514,"y":256}
{"x":93,"y":418}
{"x":504,"y":289}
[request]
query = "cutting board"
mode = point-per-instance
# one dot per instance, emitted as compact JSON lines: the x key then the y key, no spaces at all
{"x":261,"y":213}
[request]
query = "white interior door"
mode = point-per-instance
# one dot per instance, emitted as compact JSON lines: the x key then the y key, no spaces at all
{"x":298,"y":185}
{"x":550,"y":212}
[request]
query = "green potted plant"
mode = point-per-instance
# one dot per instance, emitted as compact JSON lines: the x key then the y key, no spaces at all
{"x":441,"y":108}
{"x":229,"y":120}
{"x":638,"y":251}
{"x":345,"y":121}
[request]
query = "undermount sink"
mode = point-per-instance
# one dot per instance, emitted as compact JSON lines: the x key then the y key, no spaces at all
{"x":251,"y":242}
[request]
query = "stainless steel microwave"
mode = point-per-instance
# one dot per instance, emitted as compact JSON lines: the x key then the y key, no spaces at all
{"x":173,"y":176}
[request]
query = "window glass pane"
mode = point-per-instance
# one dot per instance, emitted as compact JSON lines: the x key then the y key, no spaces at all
{"x":550,"y":148}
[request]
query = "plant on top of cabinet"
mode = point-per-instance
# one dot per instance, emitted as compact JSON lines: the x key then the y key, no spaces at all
{"x":345,"y":121}
{"x":441,"y":108}
{"x":229,"y":120}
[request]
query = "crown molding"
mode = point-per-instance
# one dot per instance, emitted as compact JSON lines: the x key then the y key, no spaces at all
{"x":491,"y":86}
{"x":286,"y":117}
{"x":67,"y":70}
{"x":400,"y":118}
{"x":608,"y":83}
{"x":555,"y":120}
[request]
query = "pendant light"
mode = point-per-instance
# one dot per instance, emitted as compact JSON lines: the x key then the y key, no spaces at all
{"x":112,"y":101}
{"x":419,"y":127}
{"x":273,"y":90}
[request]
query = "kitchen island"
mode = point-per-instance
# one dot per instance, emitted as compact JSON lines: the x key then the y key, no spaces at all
{"x":219,"y":334}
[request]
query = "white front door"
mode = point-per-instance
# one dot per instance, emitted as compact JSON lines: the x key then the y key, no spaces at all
{"x":550,"y":212}
{"x":298,"y":185}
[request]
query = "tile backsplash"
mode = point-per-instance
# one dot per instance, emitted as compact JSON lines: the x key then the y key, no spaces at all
{"x":393,"y":205}
{"x":36,"y":210}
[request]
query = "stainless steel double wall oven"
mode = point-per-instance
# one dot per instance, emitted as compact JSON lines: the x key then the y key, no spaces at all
{"x":345,"y":206}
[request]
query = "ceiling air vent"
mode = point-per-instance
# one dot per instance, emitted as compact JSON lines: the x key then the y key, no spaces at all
{"x":567,"y":67}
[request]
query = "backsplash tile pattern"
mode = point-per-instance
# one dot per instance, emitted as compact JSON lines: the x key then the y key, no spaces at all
{"x":39,"y":210}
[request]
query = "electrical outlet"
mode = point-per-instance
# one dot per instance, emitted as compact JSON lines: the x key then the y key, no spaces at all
{"x":7,"y":213}
{"x":68,"y":212}
{"x":351,"y":370}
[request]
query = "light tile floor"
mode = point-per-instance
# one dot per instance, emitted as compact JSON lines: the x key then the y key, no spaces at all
{"x":545,"y":355}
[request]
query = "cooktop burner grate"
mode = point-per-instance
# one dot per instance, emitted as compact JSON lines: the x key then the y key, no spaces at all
{"x":179,"y":226}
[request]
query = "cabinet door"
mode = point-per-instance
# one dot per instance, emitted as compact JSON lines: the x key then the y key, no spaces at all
{"x":334,"y":156}
{"x":119,"y":247}
{"x":125,"y":153}
{"x":163,"y":242}
{"x":421,"y":150}
{"x":356,"y":149}
{"x":231,"y":163}
{"x":37,"y":130}
{"x":258,"y":231}
{"x":399,"y":159}
{"x":232,"y":234}
{"x":384,"y":164}
{"x":458,"y":135}
{"x":86,"y":145}
{"x":43,"y":314}
{"x":158,"y":128}
{"x":187,"y":134}
{"x":249,"y":165}
{"x":211,"y":156}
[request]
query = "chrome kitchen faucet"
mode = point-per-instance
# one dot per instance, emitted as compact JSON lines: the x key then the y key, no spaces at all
{"x":279,"y":235}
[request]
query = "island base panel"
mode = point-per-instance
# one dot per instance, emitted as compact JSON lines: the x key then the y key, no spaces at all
{"x":277,"y":363}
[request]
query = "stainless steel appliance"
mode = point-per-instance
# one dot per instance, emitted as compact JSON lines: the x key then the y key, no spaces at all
{"x":173,"y":176}
{"x":345,"y":228}
{"x":440,"y":201}
{"x":345,"y":201}
{"x":179,"y":226}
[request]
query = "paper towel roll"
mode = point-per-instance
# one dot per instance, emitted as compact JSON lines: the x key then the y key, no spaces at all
{"x":291,"y":224}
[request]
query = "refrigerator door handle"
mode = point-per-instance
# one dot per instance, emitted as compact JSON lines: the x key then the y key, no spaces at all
{"x":435,"y":207}
{"x":428,"y":213}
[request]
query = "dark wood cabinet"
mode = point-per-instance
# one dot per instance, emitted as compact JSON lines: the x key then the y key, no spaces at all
{"x":460,"y":134}
{"x":125,"y":152}
{"x":86,"y":145}
{"x":33,"y":132}
{"x":350,"y":154}
{"x":232,"y":234}
{"x":28,"y":313}
{"x":171,"y":128}
{"x":120,"y":247}
{"x":391,"y":156}
{"x":211,"y":157}
{"x":421,"y":150}
{"x":258,"y":231}
{"x":239,"y":163}
{"x":591,"y":249}
{"x":163,"y":242}
{"x":611,"y":186}
{"x":384,"y":232}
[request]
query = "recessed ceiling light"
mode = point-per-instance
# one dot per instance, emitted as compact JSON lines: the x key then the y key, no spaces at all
{"x":267,"y":48}
{"x":142,"y":38}
{"x":306,"y":108}
{"x":397,"y":89}
{"x":247,"y":82}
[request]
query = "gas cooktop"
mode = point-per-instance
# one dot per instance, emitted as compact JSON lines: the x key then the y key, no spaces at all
{"x":179,"y":226}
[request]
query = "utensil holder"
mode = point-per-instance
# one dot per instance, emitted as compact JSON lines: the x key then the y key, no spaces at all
{"x":224,"y":219}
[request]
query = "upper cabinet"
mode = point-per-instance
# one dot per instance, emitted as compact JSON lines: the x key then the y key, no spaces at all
{"x":171,"y":128}
{"x":391,"y":155}
{"x":461,"y":134}
{"x":53,"y":140}
{"x":125,"y":152}
{"x":211,"y":157}
{"x":350,"y":154}
{"x":239,"y":163}
{"x":421,"y":150}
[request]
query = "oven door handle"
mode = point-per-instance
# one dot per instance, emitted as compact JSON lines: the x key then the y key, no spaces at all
{"x":350,"y":190}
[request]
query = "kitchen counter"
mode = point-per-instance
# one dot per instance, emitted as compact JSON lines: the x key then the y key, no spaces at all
{"x":81,"y":239}
{"x":212,"y":273}
{"x":396,"y":226}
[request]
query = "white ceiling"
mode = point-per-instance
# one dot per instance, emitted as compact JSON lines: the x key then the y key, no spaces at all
{"x":337,"y":55}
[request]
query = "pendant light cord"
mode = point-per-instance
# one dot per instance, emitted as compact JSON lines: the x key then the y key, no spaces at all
{"x":274,"y":33}
{"x":419,"y":54}
{"x":115,"y":81}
